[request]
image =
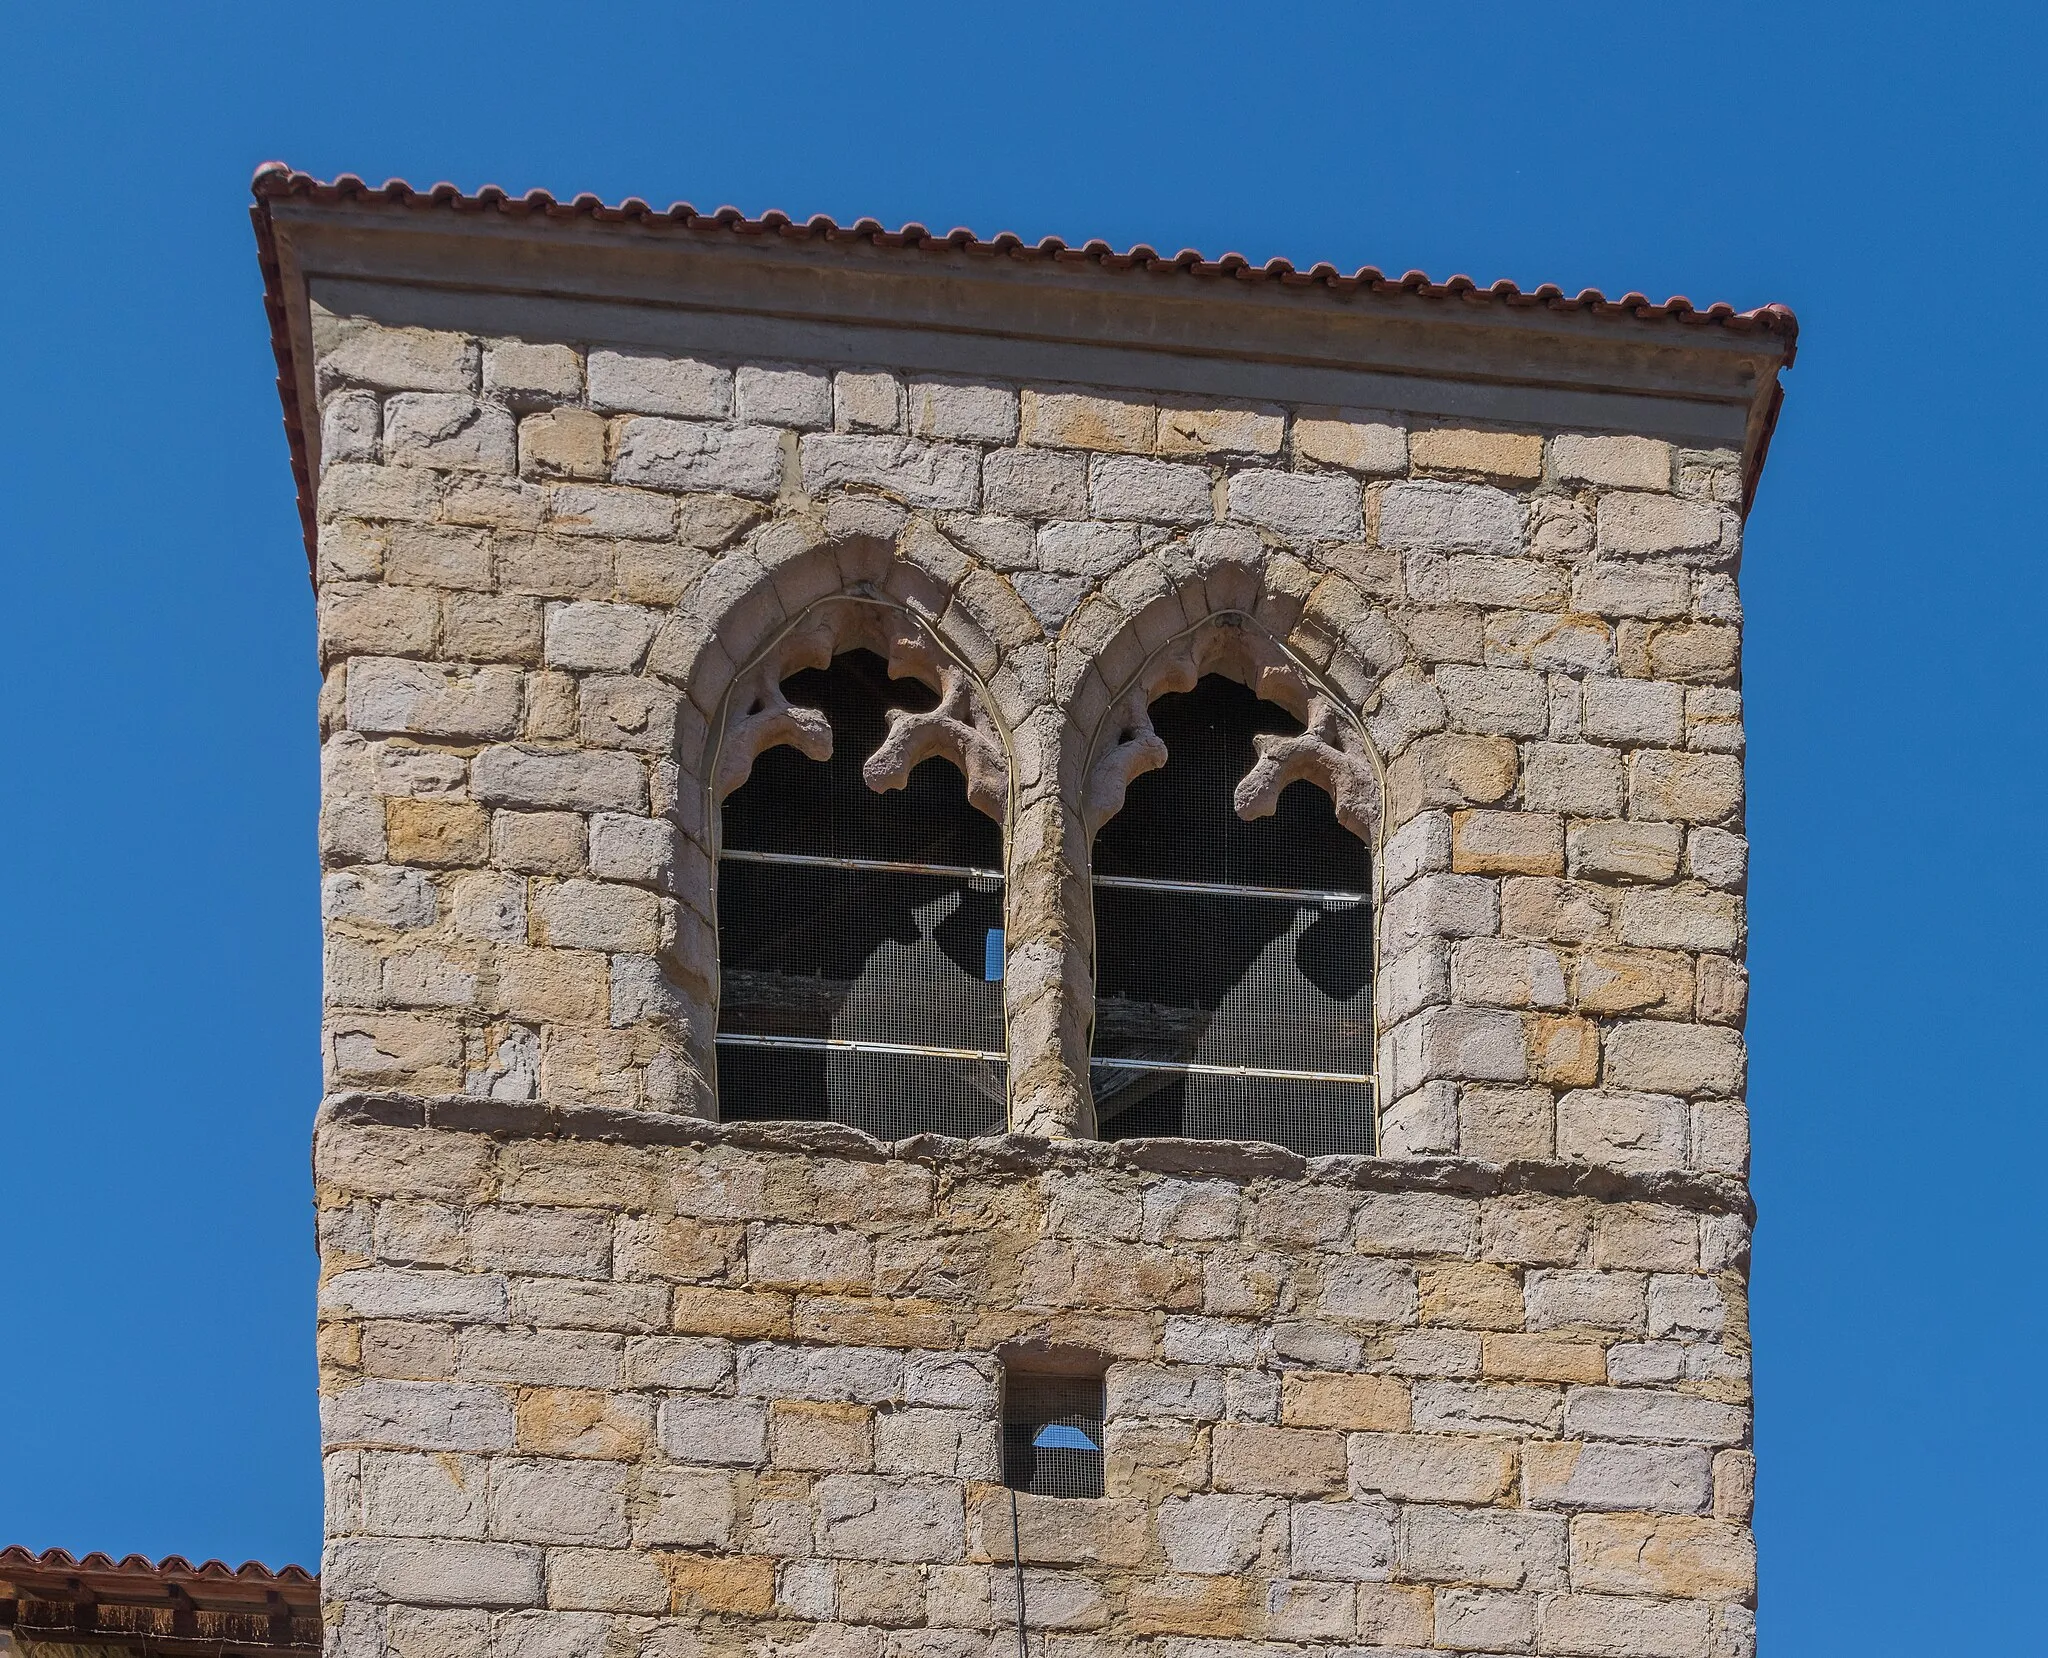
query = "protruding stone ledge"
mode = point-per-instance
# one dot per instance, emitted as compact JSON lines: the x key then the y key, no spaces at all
{"x":1023,"y":1154}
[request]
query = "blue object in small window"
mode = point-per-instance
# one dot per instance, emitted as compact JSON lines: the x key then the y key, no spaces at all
{"x":1062,"y":1437}
{"x":992,"y":956}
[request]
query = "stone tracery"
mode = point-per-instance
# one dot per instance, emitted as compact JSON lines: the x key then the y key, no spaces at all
{"x":959,"y":728}
{"x":1330,"y":751}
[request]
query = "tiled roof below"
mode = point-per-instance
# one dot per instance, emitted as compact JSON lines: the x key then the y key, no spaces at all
{"x":165,"y":1606}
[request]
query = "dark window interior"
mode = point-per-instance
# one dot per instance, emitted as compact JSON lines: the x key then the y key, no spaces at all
{"x":1052,"y":1434}
{"x":1233,"y":959}
{"x":860,"y":950}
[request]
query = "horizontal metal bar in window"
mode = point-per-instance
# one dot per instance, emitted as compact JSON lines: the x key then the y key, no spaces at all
{"x":876,"y":866}
{"x":853,"y":1045}
{"x":1195,"y":1067}
{"x":1226,"y":889}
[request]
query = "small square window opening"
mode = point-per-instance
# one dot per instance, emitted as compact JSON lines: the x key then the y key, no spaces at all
{"x":1052,"y":1434}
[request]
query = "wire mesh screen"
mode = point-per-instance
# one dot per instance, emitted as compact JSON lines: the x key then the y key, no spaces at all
{"x":860,"y":943}
{"x":1233,"y":959}
{"x":1052,"y":1434}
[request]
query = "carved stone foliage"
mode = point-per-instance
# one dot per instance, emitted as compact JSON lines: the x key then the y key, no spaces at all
{"x":1330,"y":751}
{"x":960,"y":728}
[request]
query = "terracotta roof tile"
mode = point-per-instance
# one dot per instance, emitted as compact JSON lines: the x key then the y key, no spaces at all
{"x":275,"y":181}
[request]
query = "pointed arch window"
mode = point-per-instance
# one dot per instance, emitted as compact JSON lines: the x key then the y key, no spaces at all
{"x":1233,"y":958}
{"x":860,"y":931}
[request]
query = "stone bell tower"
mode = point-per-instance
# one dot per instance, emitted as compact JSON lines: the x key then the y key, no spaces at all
{"x":1028,"y":949}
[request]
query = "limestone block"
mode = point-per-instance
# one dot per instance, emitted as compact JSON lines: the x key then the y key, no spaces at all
{"x":1662,"y":920}
{"x":546,"y":1358}
{"x":1623,"y":851}
{"x":1429,"y":1469}
{"x":1636,"y":590}
{"x":1394,"y":1615}
{"x":1421,"y":1123}
{"x":1218,"y":1534}
{"x":809,"y":1257}
{"x":1511,"y":702}
{"x":596,"y":915}
{"x":1416,"y":1223}
{"x":417,"y":1416}
{"x":1572,"y":1474}
{"x":1513,"y":456}
{"x":683,"y":1508}
{"x":1565,"y":912}
{"x":1571,"y":778}
{"x":1297,"y":505}
{"x":1606,"y":1626}
{"x":694,"y":455}
{"x":1507,"y":843}
{"x":408,"y":1495}
{"x":864,"y":1517}
{"x":382,"y":621}
{"x":422,"y":699}
{"x":1634,"y":711}
{"x":1501,"y":1125}
{"x":1599,"y":1300}
{"x":1451,"y":769}
{"x":1470,"y":1295}
{"x":1661,"y":1057}
{"x":1492,"y":1548}
{"x":606,"y":1580}
{"x":1610,"y":980}
{"x":1080,"y":420}
{"x":559,"y":780}
{"x":1190,"y":428}
{"x":546,"y":1501}
{"x":720,"y":1432}
{"x":1685,"y":788}
{"x":1350,"y":1542}
{"x":1287,"y":1462}
{"x":784,"y":397}
{"x":1439,"y":906}
{"x":396,"y":359}
{"x":448,"y":429}
{"x":866,"y":401}
{"x":1086,"y":549}
{"x":379,"y":897}
{"x":1298,"y":1611}
{"x":539,"y":843}
{"x":1471,"y":1619}
{"x":349,"y":426}
{"x":1034,"y":483}
{"x":1336,"y":1399}
{"x":1618,"y":462}
{"x":963,"y":409}
{"x":1508,"y":1356}
{"x":389,"y":1292}
{"x":1633,"y":525}
{"x":1653,"y":1416}
{"x":1458,"y":1044}
{"x":863,"y":1375}
{"x":1353,"y":439}
{"x":1456,"y":1407}
{"x":1422,"y":846}
{"x":1149,"y":492}
{"x":562,"y":443}
{"x":570,"y":1422}
{"x":1734,"y":1484}
{"x":634,"y":383}
{"x":521,"y":373}
{"x":919,"y":474}
{"x":1684,"y":1305}
{"x":1376,"y":1292}
{"x":1717,"y":857}
{"x":437,"y":1572}
{"x":1450,"y":518}
{"x":1623,"y":1130}
{"x":1723,"y":990}
{"x":573,"y":1304}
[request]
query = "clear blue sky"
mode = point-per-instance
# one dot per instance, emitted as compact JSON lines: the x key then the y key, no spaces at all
{"x":1876,"y":167}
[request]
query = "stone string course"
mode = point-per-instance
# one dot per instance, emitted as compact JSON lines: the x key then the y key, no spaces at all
{"x":603,"y":1377}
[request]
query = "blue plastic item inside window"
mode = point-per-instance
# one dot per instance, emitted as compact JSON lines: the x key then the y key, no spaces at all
{"x":1061,"y":1437}
{"x":992,"y":956}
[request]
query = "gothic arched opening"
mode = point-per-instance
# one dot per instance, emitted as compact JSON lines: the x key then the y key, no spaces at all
{"x":860,"y":933}
{"x":1233,"y":958}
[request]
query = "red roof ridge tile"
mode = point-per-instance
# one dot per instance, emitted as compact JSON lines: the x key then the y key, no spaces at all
{"x":16,"y":1557}
{"x":274,"y":181}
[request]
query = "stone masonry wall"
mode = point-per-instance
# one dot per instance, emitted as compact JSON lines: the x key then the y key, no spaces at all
{"x":605,"y":1378}
{"x":543,"y":569}
{"x":737,"y":1394}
